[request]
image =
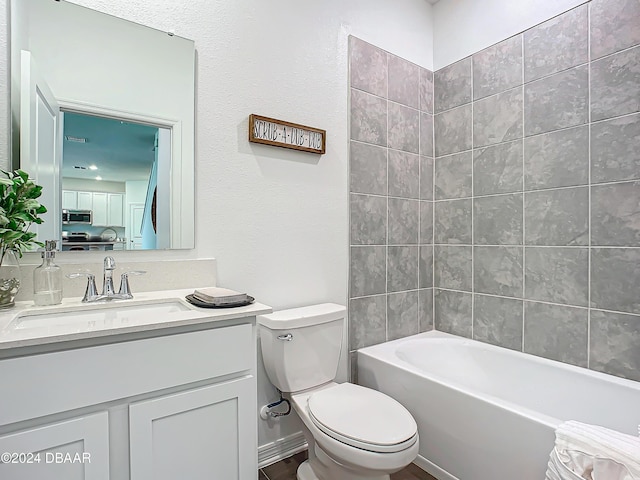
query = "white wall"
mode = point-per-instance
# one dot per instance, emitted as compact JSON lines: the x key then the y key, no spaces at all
{"x":136,"y":191}
{"x":83,"y":185}
{"x":276,"y":220}
{"x":463,"y":27}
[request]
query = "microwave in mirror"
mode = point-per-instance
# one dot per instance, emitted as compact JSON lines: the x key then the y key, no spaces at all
{"x":103,"y":118}
{"x":83,"y":217}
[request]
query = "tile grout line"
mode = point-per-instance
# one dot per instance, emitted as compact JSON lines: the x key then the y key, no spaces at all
{"x":473,"y":281}
{"x":419,"y":196}
{"x":350,"y":240}
{"x":518,"y":192}
{"x":524,"y":225}
{"x":362,"y":142}
{"x":624,"y":50}
{"x":386,"y":250}
{"x":589,"y":192}
{"x":389,"y":100}
{"x":545,"y":302}
{"x":506,"y":245}
{"x":406,"y":290}
{"x":433,"y":196}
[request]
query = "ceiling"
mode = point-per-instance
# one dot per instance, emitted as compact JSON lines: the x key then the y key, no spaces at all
{"x":121,"y":150}
{"x":433,"y":2}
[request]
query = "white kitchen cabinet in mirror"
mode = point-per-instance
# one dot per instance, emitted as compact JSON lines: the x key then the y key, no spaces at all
{"x":122,"y":107}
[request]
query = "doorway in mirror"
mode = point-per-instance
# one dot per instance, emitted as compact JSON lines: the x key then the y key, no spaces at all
{"x":111,"y":167}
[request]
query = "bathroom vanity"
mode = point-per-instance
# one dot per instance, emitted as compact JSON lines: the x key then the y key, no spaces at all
{"x":150,"y":388}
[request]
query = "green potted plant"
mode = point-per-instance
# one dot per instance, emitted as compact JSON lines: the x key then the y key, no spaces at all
{"x":19,"y":208}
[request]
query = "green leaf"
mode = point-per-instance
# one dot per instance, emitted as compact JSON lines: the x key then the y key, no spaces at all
{"x":34,"y":192}
{"x":18,"y":210}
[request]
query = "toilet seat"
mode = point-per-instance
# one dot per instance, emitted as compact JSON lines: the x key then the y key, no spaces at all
{"x":363,"y":418}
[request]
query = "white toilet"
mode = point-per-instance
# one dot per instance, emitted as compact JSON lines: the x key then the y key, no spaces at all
{"x":353,"y":432}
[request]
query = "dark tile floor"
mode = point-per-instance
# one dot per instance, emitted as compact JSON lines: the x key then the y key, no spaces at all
{"x":286,"y":470}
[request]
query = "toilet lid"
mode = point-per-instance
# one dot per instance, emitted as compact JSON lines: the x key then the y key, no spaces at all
{"x":363,"y":418}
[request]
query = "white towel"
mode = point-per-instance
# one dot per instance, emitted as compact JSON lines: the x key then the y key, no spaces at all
{"x":220,"y":296}
{"x":595,"y":453}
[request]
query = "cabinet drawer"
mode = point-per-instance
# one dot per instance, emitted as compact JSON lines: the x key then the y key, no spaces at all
{"x":90,"y":376}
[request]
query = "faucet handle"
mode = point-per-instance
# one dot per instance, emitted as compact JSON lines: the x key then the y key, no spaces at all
{"x":91,"y":291}
{"x":125,"y":290}
{"x":109,"y":263}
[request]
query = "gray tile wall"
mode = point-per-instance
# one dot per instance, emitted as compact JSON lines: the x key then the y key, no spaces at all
{"x":391,"y":196}
{"x":537,"y":192}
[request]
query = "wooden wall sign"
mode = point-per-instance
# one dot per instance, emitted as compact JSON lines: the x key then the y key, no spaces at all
{"x":279,"y":133}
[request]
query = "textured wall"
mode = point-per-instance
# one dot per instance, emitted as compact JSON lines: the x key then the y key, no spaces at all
{"x":391,"y":185}
{"x":537,"y":198}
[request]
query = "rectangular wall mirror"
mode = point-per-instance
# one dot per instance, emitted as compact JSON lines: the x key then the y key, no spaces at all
{"x":102,"y":116}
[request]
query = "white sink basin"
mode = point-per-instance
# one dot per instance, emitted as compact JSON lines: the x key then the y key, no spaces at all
{"x":98,"y":316}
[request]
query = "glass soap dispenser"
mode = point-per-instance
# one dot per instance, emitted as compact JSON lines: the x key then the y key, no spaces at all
{"x":47,"y":278}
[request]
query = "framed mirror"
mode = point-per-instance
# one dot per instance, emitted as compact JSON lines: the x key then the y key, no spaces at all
{"x":102,"y":116}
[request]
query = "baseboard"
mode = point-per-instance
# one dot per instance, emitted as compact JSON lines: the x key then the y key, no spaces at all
{"x":432,"y":469}
{"x":280,"y":449}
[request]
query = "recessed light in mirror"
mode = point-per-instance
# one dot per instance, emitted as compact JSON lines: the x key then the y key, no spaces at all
{"x":92,"y":167}
{"x":98,"y":177}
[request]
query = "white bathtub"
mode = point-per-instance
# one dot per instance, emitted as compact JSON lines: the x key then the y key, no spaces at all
{"x":489,"y":413}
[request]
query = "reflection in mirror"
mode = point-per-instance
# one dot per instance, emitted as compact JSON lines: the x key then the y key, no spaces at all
{"x":108,"y":164}
{"x":103,"y":118}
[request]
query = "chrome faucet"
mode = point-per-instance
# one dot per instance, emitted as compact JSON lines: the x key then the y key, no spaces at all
{"x":108,"y":290}
{"x":107,"y":279}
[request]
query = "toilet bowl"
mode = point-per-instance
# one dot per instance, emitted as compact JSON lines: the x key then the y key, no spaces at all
{"x":353,"y":432}
{"x":366,"y":433}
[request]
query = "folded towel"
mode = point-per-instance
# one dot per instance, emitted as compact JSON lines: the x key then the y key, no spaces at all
{"x":593,"y":452}
{"x":219,"y":296}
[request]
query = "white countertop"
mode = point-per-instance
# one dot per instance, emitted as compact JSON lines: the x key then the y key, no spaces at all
{"x":15,"y":330}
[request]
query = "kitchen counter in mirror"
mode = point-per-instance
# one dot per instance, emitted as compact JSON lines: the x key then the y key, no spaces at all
{"x":98,"y":246}
{"x":26,"y":325}
{"x":113,"y":242}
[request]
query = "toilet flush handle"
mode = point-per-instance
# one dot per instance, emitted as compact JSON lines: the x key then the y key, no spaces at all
{"x":287,"y":338}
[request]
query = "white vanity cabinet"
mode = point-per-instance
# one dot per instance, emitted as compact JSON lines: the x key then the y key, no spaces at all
{"x":181,"y":404}
{"x":72,"y":449}
{"x":203,"y":433}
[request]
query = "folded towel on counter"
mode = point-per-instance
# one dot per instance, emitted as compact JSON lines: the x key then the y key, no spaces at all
{"x":592,"y":452}
{"x":219,"y":296}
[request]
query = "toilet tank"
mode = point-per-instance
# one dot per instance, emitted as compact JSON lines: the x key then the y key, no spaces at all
{"x":301,"y":346}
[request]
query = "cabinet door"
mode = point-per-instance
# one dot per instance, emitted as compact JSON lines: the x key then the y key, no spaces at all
{"x":85,"y":201}
{"x":116,"y":206}
{"x":69,"y":200}
{"x":100,"y":214}
{"x":203,"y":434}
{"x":77,"y":449}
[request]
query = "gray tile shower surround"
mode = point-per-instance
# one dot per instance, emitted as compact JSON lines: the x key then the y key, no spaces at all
{"x":532,"y":205}
{"x":391,"y":196}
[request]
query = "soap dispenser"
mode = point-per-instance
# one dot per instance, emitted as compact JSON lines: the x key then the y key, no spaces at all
{"x":47,"y":278}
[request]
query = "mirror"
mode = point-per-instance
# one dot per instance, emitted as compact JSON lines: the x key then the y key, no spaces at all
{"x":102,"y":115}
